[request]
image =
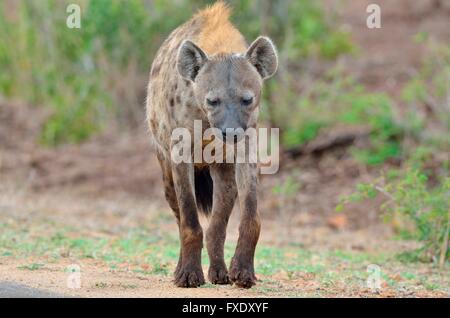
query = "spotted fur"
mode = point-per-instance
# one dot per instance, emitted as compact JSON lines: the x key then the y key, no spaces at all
{"x":207,"y":57}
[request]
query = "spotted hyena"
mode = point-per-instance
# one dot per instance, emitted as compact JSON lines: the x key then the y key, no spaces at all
{"x":205,"y":71}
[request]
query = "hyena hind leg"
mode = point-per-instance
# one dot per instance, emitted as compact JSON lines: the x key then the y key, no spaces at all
{"x":171,"y":197}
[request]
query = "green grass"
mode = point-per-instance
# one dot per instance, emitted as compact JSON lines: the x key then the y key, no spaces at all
{"x":32,"y":267}
{"x":147,"y":252}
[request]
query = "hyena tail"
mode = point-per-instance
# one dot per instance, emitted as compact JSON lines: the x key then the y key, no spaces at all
{"x":204,"y":190}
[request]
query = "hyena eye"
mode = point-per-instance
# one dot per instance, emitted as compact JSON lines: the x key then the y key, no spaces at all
{"x":213,"y":102}
{"x":247,"y":101}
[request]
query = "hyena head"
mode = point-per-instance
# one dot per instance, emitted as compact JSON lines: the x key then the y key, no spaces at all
{"x":228,"y":86}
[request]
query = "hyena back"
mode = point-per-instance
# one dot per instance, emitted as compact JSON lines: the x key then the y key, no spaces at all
{"x":205,"y":71}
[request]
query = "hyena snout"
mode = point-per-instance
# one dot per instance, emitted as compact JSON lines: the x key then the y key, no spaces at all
{"x":232,"y":129}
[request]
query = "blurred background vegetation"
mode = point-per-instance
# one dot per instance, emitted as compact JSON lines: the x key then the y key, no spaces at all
{"x":94,"y":78}
{"x":87,"y":74}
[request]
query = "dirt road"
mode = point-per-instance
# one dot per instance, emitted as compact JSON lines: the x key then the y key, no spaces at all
{"x":13,"y":290}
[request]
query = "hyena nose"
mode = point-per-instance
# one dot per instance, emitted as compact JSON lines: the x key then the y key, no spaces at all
{"x":231,"y":134}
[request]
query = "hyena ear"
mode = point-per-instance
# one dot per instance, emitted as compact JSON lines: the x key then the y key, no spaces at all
{"x":190,"y":60}
{"x":263,"y":55}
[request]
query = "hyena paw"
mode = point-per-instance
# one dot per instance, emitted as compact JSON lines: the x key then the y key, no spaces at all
{"x":242,"y":276}
{"x":189,"y":277}
{"x":177,"y":269}
{"x":218,"y":275}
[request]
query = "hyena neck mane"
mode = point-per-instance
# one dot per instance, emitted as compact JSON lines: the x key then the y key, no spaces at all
{"x":218,"y":35}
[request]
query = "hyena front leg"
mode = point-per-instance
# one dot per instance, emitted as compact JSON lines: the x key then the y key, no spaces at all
{"x":242,"y":271}
{"x":189,"y":273}
{"x":224,"y":196}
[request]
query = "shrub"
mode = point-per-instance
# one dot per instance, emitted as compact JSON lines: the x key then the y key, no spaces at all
{"x":417,"y":194}
{"x":340,"y":101}
{"x":422,"y":210}
{"x":427,"y":96}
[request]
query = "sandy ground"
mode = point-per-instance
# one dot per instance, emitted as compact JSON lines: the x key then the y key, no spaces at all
{"x":98,"y":281}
